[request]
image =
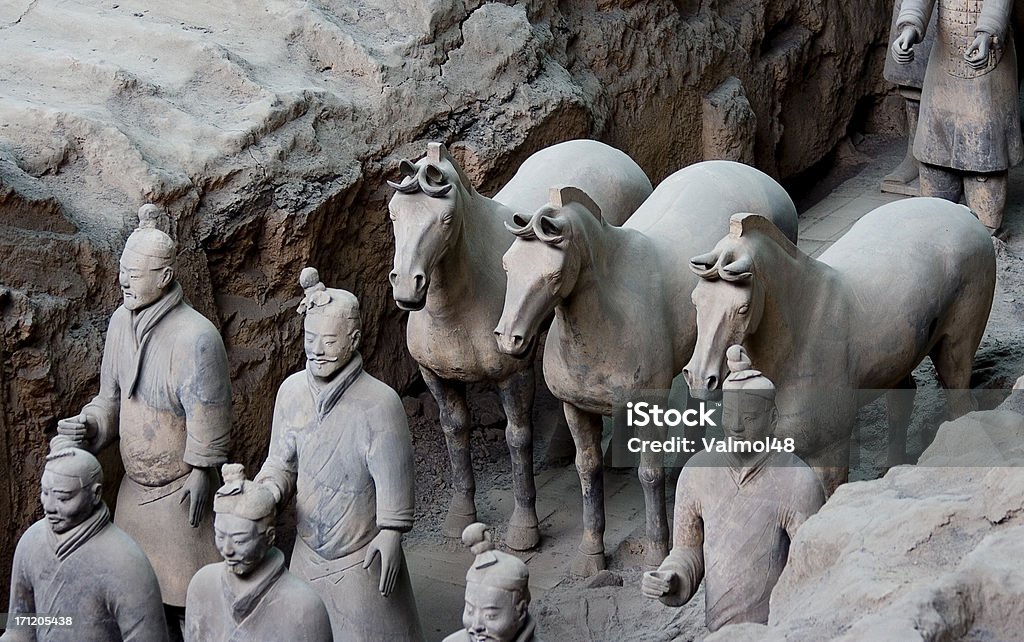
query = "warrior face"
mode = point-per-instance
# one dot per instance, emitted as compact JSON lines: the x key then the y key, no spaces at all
{"x":747,"y":416}
{"x":141,"y":283}
{"x":330,"y":342}
{"x":243,"y":543}
{"x":66,"y":501}
{"x":493,"y":614}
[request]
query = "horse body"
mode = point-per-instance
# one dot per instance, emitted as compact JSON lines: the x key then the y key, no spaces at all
{"x":447,"y":273}
{"x":859,"y":319}
{"x":622,"y":322}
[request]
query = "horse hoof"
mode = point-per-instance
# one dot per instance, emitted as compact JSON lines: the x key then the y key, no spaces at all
{"x":584,"y":565}
{"x":522,"y":538}
{"x":455,"y":523}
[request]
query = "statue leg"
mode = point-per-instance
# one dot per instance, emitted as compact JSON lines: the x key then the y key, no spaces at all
{"x":905,"y":173}
{"x":986,"y":196}
{"x":652,"y":479}
{"x":516,"y":395}
{"x":941,"y":182}
{"x":900,"y":403}
{"x":454,"y":415}
{"x":586,"y":432}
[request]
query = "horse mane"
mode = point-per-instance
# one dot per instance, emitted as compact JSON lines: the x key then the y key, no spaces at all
{"x":724,"y":264}
{"x":546,"y":228}
{"x":429,"y":178}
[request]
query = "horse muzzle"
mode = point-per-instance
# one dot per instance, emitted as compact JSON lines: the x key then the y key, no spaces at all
{"x":410,"y":293}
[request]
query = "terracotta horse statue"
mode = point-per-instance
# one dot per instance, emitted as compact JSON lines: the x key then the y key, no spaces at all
{"x":623,"y":319}
{"x":447,"y":272}
{"x":912,"y":278}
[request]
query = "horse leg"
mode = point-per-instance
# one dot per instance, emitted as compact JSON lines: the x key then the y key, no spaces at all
{"x":586,"y":432}
{"x":953,"y":360}
{"x":652,"y":479}
{"x":832,"y":462}
{"x":900,"y":403}
{"x":516,"y":395}
{"x":454,"y":415}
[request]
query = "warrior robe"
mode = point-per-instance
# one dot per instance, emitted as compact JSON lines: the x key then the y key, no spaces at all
{"x":95,"y":574}
{"x":970,"y":120}
{"x":344,"y":450}
{"x":732,"y":526}
{"x":165,"y":392}
{"x":268,"y":605}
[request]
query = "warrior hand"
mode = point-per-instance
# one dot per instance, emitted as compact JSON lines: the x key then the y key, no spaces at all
{"x":655,"y":584}
{"x":977,"y":54}
{"x":903,"y":46}
{"x":389,"y":544}
{"x":80,"y":428}
{"x":197,"y":490}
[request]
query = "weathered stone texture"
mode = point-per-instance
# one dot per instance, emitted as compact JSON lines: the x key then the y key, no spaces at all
{"x":266,"y":129}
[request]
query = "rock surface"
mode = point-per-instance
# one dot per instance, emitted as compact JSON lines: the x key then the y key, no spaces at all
{"x":929,"y":552}
{"x":266,"y":129}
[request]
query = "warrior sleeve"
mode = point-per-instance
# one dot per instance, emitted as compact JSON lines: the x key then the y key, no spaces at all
{"x":994,"y":18}
{"x":390,"y":461}
{"x":23,"y":600}
{"x":686,"y":559}
{"x":206,"y":398}
{"x":282,"y":466}
{"x":807,"y":498}
{"x":915,"y":13}
{"x":105,"y":407}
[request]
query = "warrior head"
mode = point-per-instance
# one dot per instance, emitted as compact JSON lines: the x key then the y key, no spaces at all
{"x":333,"y":326}
{"x":244,"y":522}
{"x":497,"y":591}
{"x":146,"y":269}
{"x":71,"y":487}
{"x":749,"y":411}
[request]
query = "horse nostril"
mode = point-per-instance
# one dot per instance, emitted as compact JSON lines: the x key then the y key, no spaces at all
{"x":393,"y":277}
{"x":418,"y":280}
{"x":712,"y":382}
{"x":517,"y":340}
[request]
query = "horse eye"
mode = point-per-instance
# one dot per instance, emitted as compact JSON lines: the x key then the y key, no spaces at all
{"x":743,"y":309}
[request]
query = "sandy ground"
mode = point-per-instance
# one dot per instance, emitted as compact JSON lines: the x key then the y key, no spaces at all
{"x":610,"y":607}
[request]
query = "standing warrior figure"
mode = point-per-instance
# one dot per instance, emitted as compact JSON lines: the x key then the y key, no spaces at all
{"x":497,"y":594}
{"x":736,"y":512}
{"x":79,"y":568}
{"x":166,"y":393}
{"x":340,"y":443}
{"x":969,"y":132}
{"x":250,"y":596}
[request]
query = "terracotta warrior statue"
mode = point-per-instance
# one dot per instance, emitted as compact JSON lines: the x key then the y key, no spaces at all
{"x":736,"y":512}
{"x":340,"y":443}
{"x":969,"y":132}
{"x":166,"y":394}
{"x":908,"y":78}
{"x":250,"y":596}
{"x":78,"y":567}
{"x":497,"y":594}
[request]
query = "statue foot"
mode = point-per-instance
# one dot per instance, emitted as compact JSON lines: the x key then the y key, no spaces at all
{"x":522,"y":538}
{"x":455,"y":523}
{"x":586,"y":565}
{"x":904,"y":173}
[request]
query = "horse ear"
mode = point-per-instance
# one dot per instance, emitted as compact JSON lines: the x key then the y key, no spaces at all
{"x":437,"y":152}
{"x":550,"y":229}
{"x":562,"y":195}
{"x":702,"y":264}
{"x":738,"y":270}
{"x":521,"y":220}
{"x":406,"y":167}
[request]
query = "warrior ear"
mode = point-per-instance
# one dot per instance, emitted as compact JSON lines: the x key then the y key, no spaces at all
{"x":437,"y":152}
{"x":562,"y":195}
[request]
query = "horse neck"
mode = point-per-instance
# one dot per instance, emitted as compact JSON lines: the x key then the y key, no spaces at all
{"x":472,"y":262}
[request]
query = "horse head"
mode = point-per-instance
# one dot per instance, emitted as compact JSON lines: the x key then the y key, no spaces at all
{"x":730,"y":302}
{"x":542,"y":265}
{"x":426,"y":216}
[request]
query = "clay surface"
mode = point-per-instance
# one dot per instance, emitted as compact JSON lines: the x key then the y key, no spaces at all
{"x":845,"y":327}
{"x":623,"y":322}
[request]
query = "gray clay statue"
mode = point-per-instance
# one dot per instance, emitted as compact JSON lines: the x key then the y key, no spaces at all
{"x":497,"y":594}
{"x":908,"y":78}
{"x":78,"y":567}
{"x":165,"y":393}
{"x":250,"y":596}
{"x":623,"y":319}
{"x":447,"y":272}
{"x":736,"y":512}
{"x":969,"y":131}
{"x":833,"y":333}
{"x":340,"y":444}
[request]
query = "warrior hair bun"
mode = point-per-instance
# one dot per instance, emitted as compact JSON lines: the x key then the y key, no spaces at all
{"x":737,"y":358}
{"x":475,"y":537}
{"x":149,"y":214}
{"x":232,"y":473}
{"x":309,"y":277}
